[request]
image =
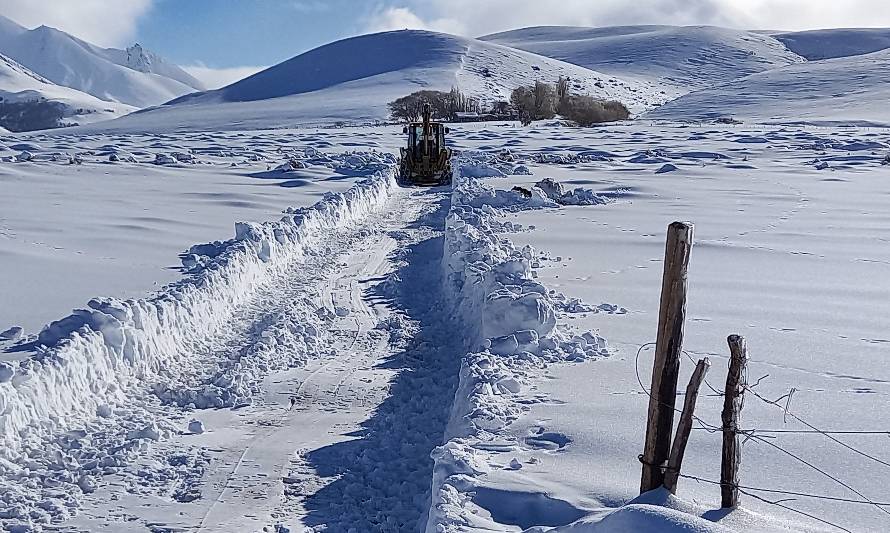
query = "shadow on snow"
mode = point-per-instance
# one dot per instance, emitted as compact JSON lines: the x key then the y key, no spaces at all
{"x":381,"y":479}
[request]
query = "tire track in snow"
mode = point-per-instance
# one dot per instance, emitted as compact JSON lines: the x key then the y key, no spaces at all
{"x":277,"y":462}
{"x":281,"y":302}
{"x":380,"y":481}
{"x":254,"y":486}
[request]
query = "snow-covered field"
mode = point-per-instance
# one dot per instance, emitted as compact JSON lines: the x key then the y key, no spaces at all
{"x":789,"y":253}
{"x":113,"y":212}
{"x":301,"y":374}
{"x":224,"y":312}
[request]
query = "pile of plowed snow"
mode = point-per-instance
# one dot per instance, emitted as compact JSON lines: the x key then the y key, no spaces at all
{"x":99,"y":367}
{"x":509,"y":321}
{"x":843,"y":91}
{"x":352,"y":80}
{"x":677,"y":58}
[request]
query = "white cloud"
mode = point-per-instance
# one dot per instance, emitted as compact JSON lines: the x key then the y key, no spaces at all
{"x":474,"y":17}
{"x":401,"y":18}
{"x":814,"y":14}
{"x":214,"y":78}
{"x":102,"y":22}
{"x":310,"y":6}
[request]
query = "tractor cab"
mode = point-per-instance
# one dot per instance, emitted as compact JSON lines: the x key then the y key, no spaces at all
{"x":426,"y":160}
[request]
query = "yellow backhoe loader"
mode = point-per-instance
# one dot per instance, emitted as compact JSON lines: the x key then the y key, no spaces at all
{"x":426,"y":160}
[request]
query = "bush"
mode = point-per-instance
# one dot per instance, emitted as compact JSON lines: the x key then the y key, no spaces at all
{"x":587,"y":110}
{"x":534,"y":102}
{"x":544,"y":101}
{"x":523,"y":100}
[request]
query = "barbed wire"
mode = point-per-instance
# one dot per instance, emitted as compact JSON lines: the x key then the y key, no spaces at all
{"x":815,"y":429}
{"x":780,"y":503}
{"x":754,"y":434}
{"x":819,"y":431}
{"x":707,"y":426}
{"x":788,"y":492}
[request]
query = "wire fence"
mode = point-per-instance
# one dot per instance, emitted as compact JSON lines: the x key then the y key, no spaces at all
{"x":767,"y":437}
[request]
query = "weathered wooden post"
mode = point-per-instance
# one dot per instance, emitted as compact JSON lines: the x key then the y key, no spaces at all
{"x":668,"y":347}
{"x":675,"y":461}
{"x":732,"y":406}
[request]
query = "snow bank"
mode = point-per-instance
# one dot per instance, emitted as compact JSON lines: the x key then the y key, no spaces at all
{"x":93,"y":363}
{"x":509,"y":321}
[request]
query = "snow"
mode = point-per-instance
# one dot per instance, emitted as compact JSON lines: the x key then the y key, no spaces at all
{"x":357,"y":356}
{"x":138,"y":58}
{"x":542,"y":417}
{"x":830,"y":43}
{"x":20,"y":85}
{"x":141,"y":79}
{"x":772,"y":261}
{"x":675,"y":59}
{"x":116,"y":226}
{"x":103,"y":356}
{"x":842,"y":91}
{"x":352,"y":81}
{"x":509,"y":321}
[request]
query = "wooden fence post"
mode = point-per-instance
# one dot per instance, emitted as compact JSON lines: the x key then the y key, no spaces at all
{"x":732,"y":407}
{"x":668,"y":347}
{"x":675,"y":461}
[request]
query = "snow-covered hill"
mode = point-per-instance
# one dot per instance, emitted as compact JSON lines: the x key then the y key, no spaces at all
{"x":29,"y":101}
{"x":848,"y":90}
{"x":352,"y":80}
{"x":827,"y":44}
{"x":679,"y":58}
{"x":133,"y":76}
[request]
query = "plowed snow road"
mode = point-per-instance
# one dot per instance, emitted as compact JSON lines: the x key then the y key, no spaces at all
{"x":341,"y":443}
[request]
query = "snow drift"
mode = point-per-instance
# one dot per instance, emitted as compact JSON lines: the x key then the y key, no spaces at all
{"x":352,"y":80}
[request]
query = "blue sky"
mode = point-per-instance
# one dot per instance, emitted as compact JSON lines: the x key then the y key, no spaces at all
{"x":220,"y":41}
{"x":228,"y":33}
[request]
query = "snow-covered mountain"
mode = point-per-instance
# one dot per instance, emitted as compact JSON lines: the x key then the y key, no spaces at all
{"x":354,"y":79}
{"x":28,"y":101}
{"x":846,"y":90}
{"x":698,"y":71}
{"x":843,"y":42}
{"x":138,"y":58}
{"x":133,"y":76}
{"x":680,"y":58}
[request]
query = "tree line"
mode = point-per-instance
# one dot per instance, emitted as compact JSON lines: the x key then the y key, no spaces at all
{"x":540,"y":101}
{"x":444,"y":105}
{"x":543,"y":101}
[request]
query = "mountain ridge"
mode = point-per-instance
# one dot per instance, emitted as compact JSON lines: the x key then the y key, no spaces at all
{"x":102,"y":72}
